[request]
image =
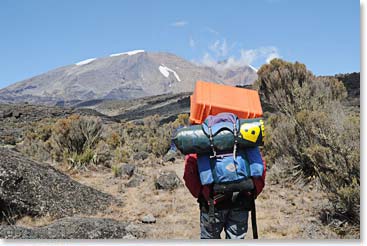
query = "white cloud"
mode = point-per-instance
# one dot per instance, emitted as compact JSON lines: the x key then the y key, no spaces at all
{"x":271,"y":57}
{"x":208,"y":61}
{"x":211,"y":30}
{"x":268,"y":53}
{"x":247,"y":57}
{"x":192,"y":42}
{"x":180,"y":23}
{"x":220,"y":48}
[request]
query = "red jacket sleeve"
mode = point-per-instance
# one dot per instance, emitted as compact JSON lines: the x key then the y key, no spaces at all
{"x":192,"y":178}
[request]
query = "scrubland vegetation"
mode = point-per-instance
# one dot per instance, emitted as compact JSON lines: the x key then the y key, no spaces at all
{"x":81,"y":141}
{"x":311,"y":137}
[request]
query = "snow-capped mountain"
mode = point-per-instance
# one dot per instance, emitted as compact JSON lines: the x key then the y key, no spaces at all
{"x":126,"y":75}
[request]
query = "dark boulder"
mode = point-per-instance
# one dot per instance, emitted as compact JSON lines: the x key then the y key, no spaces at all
{"x":168,"y":181}
{"x":142,"y":155}
{"x":170,"y":156}
{"x":135,"y":181}
{"x":6,"y":114}
{"x":123,"y":170}
{"x":128,"y":169}
{"x":17,"y":114}
{"x":75,"y":228}
{"x":31,"y":188}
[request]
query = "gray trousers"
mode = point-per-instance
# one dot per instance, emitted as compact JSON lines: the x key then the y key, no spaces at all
{"x":233,"y":221}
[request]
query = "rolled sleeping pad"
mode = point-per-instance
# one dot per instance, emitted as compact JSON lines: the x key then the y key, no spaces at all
{"x":193,"y":139}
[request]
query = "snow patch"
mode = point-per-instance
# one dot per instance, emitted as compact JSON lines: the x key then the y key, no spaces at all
{"x":130,"y":53}
{"x":165,"y":71}
{"x":252,"y":67}
{"x":85,"y":62}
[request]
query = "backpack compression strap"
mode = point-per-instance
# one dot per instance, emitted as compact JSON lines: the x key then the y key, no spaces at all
{"x":211,"y":212}
{"x":212,"y":143}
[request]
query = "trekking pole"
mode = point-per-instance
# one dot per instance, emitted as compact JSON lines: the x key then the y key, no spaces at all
{"x":253,"y":219}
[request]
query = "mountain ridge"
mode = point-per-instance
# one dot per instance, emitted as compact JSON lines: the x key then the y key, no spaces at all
{"x":122,"y":76}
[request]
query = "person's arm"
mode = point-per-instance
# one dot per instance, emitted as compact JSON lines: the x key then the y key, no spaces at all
{"x":191,"y":175}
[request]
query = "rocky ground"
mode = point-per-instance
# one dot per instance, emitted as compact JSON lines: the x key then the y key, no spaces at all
{"x":39,"y":201}
{"x":14,"y":118}
{"x":136,"y":107}
{"x":36,"y":189}
{"x":157,"y":205}
{"x":75,"y":228}
{"x":284,"y":211}
{"x":138,"y":199}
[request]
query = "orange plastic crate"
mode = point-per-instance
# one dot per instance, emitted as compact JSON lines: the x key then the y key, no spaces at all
{"x":211,"y":99}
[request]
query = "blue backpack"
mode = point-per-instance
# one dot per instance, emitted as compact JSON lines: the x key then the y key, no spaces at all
{"x":229,"y":172}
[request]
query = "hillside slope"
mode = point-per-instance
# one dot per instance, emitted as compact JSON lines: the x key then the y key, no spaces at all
{"x":123,"y":76}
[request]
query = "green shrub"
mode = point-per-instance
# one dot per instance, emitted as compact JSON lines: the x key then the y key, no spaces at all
{"x":75,"y":138}
{"x":149,"y":137}
{"x":72,"y":140}
{"x":182,"y":120}
{"x":158,"y":146}
{"x":116,"y":170}
{"x":310,"y":135}
{"x":77,"y":133}
{"x":82,"y":140}
{"x":121,"y":155}
{"x":81,"y":160}
{"x":37,"y":140}
{"x":115,"y":140}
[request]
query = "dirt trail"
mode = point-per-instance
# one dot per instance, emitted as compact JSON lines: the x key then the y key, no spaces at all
{"x":284,"y":212}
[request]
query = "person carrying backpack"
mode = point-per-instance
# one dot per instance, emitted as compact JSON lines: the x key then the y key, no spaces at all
{"x":225,"y":184}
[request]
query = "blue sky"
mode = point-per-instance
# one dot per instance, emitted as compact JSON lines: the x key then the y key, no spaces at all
{"x":39,"y":35}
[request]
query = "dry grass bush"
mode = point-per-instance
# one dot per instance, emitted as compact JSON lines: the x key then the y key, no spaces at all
{"x":76,"y":133}
{"x":103,"y":153}
{"x":75,"y":140}
{"x":83,"y":140}
{"x":150,"y":137}
{"x":311,"y":135}
{"x":37,"y":141}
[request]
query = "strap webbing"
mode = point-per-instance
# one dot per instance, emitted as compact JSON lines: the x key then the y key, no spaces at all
{"x":212,"y":143}
{"x":211,"y":208}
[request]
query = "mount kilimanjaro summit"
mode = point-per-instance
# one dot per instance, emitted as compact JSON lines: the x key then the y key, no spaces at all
{"x":127,"y":75}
